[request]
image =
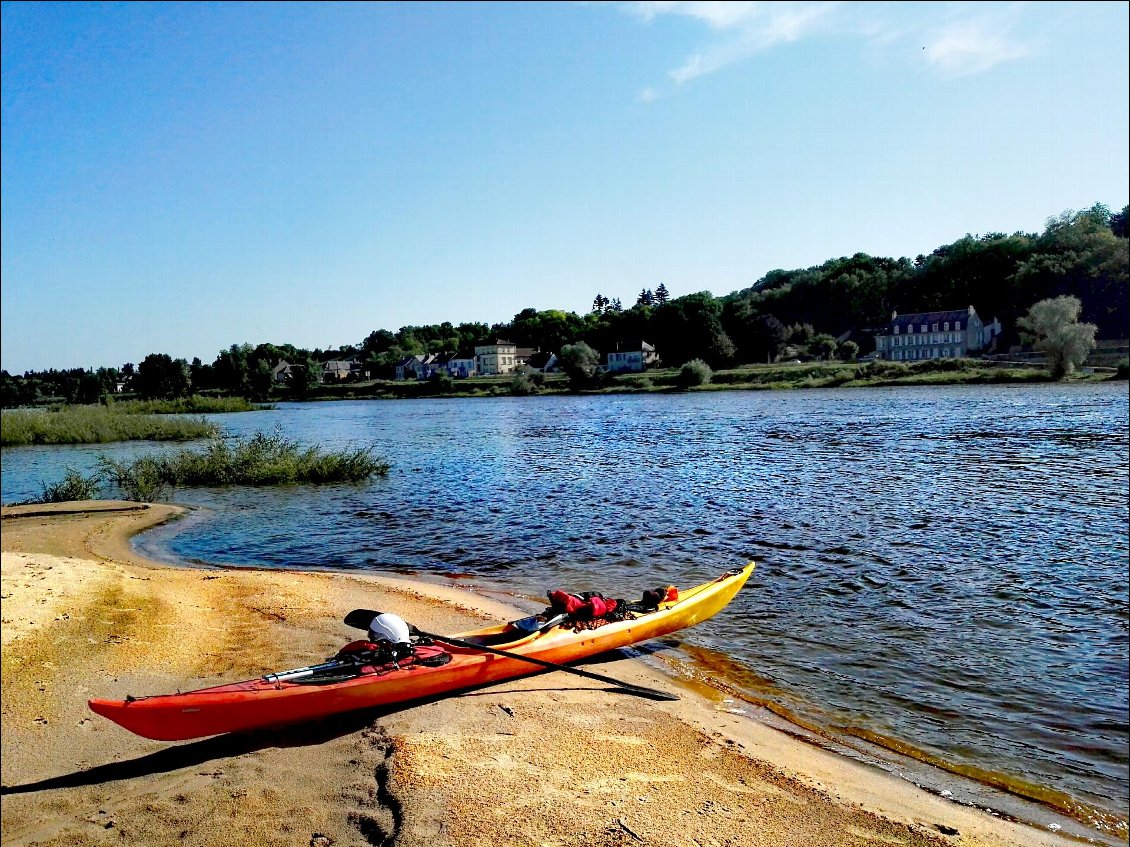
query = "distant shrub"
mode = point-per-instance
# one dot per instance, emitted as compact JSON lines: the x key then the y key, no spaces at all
{"x":695,"y":372}
{"x":523,"y":385}
{"x":1123,"y":369}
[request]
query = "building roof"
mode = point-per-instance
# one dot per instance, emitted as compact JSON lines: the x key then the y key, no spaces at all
{"x":916,"y":318}
{"x":540,"y":360}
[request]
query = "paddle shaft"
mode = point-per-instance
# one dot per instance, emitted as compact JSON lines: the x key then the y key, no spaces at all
{"x":360,"y":619}
{"x":554,"y":666}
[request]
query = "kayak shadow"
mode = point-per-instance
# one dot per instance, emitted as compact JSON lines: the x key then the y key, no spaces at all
{"x":200,"y":752}
{"x":306,"y":734}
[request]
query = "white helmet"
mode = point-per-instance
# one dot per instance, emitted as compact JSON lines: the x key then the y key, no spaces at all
{"x":386,"y":627}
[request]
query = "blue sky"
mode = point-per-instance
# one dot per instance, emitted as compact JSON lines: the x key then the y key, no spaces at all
{"x":180,"y":177}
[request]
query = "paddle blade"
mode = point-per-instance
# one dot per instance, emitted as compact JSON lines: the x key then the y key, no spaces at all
{"x":361,"y":618}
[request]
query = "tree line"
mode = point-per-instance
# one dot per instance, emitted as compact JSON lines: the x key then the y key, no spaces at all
{"x":1079,"y":254}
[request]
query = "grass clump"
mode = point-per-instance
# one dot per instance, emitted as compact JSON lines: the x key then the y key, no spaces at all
{"x":96,"y":425}
{"x":197,"y":404}
{"x":259,"y":460}
{"x":73,"y":486}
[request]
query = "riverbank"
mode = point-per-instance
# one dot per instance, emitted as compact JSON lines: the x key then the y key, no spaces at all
{"x":778,"y":377}
{"x":545,"y":760}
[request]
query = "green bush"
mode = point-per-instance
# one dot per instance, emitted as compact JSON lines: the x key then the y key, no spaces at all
{"x":257,"y":461}
{"x":141,"y":480}
{"x":73,"y":486}
{"x":695,"y":372}
{"x":522,"y":386}
{"x":1123,"y":369}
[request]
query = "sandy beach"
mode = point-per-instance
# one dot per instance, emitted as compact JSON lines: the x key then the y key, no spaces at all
{"x":548,"y":760}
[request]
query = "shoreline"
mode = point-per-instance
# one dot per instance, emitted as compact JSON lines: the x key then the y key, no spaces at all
{"x":543,"y":759}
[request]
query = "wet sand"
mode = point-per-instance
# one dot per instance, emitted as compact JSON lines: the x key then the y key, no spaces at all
{"x":548,"y":760}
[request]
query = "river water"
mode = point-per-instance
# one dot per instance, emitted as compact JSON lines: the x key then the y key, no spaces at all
{"x":940,"y":570}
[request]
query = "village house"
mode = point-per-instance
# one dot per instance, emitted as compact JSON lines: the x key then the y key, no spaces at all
{"x":496,"y":357}
{"x":281,"y":372}
{"x":632,"y":360}
{"x":409,"y":367}
{"x":543,"y":362}
{"x":461,"y":365}
{"x":339,"y":370}
{"x":935,"y":335}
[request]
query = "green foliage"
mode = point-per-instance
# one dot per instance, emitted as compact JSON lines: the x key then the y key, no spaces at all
{"x":73,"y":486}
{"x":96,"y":425}
{"x":523,"y":385}
{"x":581,"y":364}
{"x":848,"y":351}
{"x":195,"y":404}
{"x":257,"y":461}
{"x":442,"y":383}
{"x":693,"y":373}
{"x":823,"y":346}
{"x":160,"y":376}
{"x":1123,"y":369}
{"x":1052,"y":327}
{"x":141,"y":480}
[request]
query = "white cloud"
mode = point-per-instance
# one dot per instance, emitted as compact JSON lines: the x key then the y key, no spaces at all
{"x":971,"y":47}
{"x":969,"y":40}
{"x":745,"y":29}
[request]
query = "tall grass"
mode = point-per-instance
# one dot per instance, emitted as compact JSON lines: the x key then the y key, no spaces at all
{"x":73,"y":486}
{"x":195,"y":405}
{"x":258,"y":461}
{"x":96,"y":425}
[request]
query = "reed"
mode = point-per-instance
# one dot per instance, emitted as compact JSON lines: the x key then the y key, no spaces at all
{"x":197,"y":404}
{"x":96,"y":425}
{"x":259,"y":460}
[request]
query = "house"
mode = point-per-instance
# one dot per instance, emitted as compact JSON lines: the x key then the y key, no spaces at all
{"x":281,"y":372}
{"x":461,"y":365}
{"x":522,"y":355}
{"x":633,"y":359}
{"x":339,"y":370}
{"x":935,"y":335}
{"x":544,"y":362}
{"x":496,"y":357}
{"x":409,"y":367}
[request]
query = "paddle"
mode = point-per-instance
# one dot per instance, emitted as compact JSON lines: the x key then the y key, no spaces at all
{"x":361,"y":618}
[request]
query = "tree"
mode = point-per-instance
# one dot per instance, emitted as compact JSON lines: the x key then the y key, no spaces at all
{"x":159,"y":377}
{"x":1052,"y":327}
{"x":823,"y":345}
{"x":661,"y":294}
{"x":1118,"y":222}
{"x":600,"y":303}
{"x":580,"y":363}
{"x":849,"y":350}
{"x":646,"y":298}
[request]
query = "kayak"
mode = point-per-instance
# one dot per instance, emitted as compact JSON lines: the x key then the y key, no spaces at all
{"x":275,"y":699}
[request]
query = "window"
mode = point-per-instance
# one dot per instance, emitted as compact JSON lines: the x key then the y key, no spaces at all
{"x":935,"y":328}
{"x":957,"y":325}
{"x":896,"y":330}
{"x":947,"y":326}
{"x":923,"y":328}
